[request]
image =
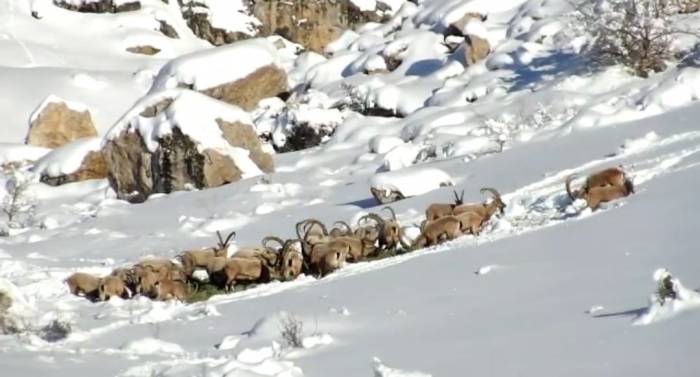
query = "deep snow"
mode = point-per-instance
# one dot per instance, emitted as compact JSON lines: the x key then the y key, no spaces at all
{"x":549,"y":289}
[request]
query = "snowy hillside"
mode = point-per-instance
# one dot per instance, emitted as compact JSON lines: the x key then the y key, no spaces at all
{"x":549,"y":288}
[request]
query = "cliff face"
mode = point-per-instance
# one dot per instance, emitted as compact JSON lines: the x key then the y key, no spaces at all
{"x":314,"y":23}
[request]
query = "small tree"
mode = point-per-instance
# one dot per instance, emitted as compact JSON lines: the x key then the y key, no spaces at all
{"x":292,"y":330}
{"x":18,"y":205}
{"x":634,"y":33}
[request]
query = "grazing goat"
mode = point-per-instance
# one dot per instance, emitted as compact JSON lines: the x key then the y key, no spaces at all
{"x":194,"y":259}
{"x":438,"y":210}
{"x":85,"y":284}
{"x":594,"y":196}
{"x":432,"y":232}
{"x":112,"y":286}
{"x":169,"y":289}
{"x":485,"y":210}
{"x":606,"y":177}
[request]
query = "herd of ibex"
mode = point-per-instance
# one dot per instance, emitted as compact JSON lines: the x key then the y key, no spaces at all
{"x":317,"y":251}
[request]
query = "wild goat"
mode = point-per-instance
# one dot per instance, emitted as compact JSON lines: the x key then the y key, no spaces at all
{"x":432,"y":232}
{"x":194,"y":259}
{"x":328,"y":257}
{"x":111,"y":286}
{"x":169,"y":289}
{"x":438,"y":210}
{"x":606,"y":177}
{"x":244,"y":269}
{"x":85,"y":284}
{"x":485,"y":210}
{"x":596,"y":195}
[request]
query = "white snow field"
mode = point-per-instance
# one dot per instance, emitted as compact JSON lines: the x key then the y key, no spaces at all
{"x":548,"y":289}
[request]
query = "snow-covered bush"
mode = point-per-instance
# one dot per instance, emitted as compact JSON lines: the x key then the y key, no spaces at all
{"x":54,"y":331}
{"x":292,"y":330}
{"x":634,"y":33}
{"x":18,"y":204}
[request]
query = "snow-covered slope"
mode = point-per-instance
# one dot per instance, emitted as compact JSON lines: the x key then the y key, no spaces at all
{"x":548,"y":289}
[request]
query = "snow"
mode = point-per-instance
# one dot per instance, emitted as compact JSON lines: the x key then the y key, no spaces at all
{"x":210,"y":68}
{"x":185,"y":112}
{"x":547,"y":289}
{"x":68,"y":158}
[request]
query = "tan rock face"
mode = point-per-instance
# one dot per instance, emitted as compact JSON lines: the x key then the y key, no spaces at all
{"x":143,"y":50}
{"x":244,"y":136}
{"x":268,"y":81}
{"x":476,"y":48}
{"x":58,"y":124}
{"x":324,"y":20}
{"x":92,"y":167}
{"x":177,"y":164}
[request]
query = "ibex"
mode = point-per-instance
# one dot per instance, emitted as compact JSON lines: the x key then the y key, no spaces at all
{"x":485,"y":210}
{"x":432,"y":232}
{"x":169,"y":289}
{"x":111,"y":286}
{"x":607,"y":177}
{"x":194,"y":259}
{"x":438,"y":210}
{"x":327,"y":257}
{"x":85,"y":284}
{"x":594,"y":196}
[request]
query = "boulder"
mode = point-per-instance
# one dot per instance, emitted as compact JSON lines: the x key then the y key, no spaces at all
{"x":475,"y":49}
{"x":56,"y":124}
{"x":177,"y":153}
{"x":99,"y":6}
{"x":143,"y":50}
{"x":265,"y":82}
{"x":257,"y":75}
{"x":77,"y":161}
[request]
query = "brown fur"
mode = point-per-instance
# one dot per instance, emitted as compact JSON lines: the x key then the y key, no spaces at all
{"x":433,"y":232}
{"x":85,"y":284}
{"x":111,"y":286}
{"x":170,"y":289}
{"x":606,"y":177}
{"x":244,"y":269}
{"x":328,"y":257}
{"x":602,"y":194}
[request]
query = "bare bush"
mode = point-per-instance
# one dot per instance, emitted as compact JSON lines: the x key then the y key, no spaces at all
{"x":292,"y":330}
{"x":634,"y":33}
{"x":18,"y":204}
{"x":55,"y":331}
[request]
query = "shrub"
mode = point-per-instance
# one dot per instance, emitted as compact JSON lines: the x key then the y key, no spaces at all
{"x":634,"y":33}
{"x":292,"y":330}
{"x":18,"y":204}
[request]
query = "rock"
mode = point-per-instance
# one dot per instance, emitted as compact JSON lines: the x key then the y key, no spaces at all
{"x":58,"y":124}
{"x":167,"y":30}
{"x":101,"y":6}
{"x":178,"y":161}
{"x":458,"y":27}
{"x":324,"y":20}
{"x":144,"y":50}
{"x":475,"y":49}
{"x":244,"y":136}
{"x":92,"y":167}
{"x":265,"y":82}
{"x":384,"y":196}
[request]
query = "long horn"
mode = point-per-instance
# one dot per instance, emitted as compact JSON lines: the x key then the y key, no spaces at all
{"x":348,"y":228}
{"x":492,"y":191}
{"x":373,"y":216}
{"x":314,"y":221}
{"x":298,"y":228}
{"x":267,"y":239}
{"x":221,"y":240}
{"x":393,"y":214}
{"x":422,"y":225}
{"x":227,"y":241}
{"x":572,"y":195}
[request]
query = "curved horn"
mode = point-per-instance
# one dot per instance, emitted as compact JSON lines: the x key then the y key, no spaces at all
{"x":348,"y":228}
{"x":314,"y":221}
{"x":422,"y":225}
{"x":391,"y":210}
{"x":492,"y":191}
{"x":267,"y":239}
{"x":298,"y":228}
{"x":373,"y":216}
{"x":227,"y":241}
{"x":572,"y":195}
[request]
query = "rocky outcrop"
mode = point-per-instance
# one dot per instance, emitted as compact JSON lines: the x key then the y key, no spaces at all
{"x":93,"y":166}
{"x":143,"y":50}
{"x":101,"y":6}
{"x":458,"y":27}
{"x":475,"y":49}
{"x":265,"y":82}
{"x":312,"y":24}
{"x":57,"y":124}
{"x":178,"y":161}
